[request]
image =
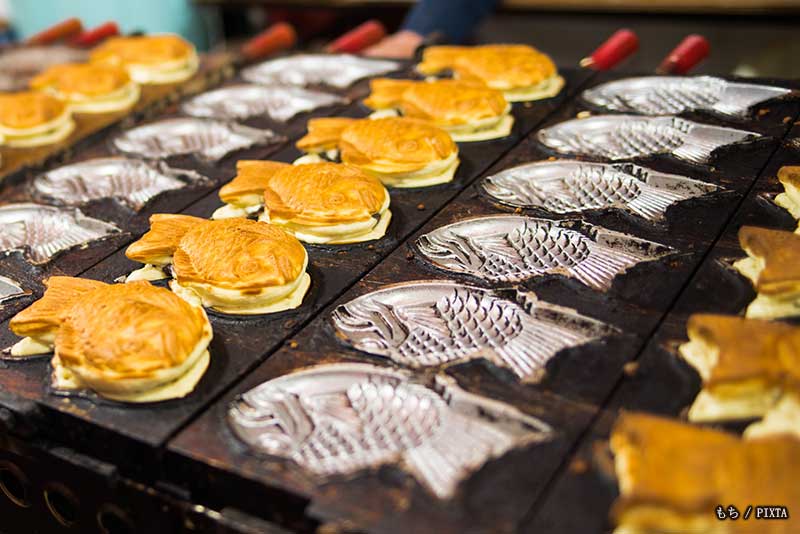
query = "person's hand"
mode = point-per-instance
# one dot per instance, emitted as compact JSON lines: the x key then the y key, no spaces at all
{"x":398,"y":45}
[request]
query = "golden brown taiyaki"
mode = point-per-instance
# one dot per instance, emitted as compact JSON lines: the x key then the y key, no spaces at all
{"x":128,"y":342}
{"x":467,"y":110}
{"x":237,"y":266}
{"x":150,"y":59}
{"x":323,"y":203}
{"x":399,"y":151}
{"x":520,"y":71}
{"x":89,"y":87}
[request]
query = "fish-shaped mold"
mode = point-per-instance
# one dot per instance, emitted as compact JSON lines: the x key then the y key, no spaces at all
{"x":510,"y":248}
{"x":672,"y":95}
{"x":10,"y":289}
{"x":211,"y":139}
{"x":335,"y":70}
{"x":242,"y":101}
{"x":130,"y":181}
{"x":345,"y":419}
{"x":44,"y":231}
{"x":432,"y":323}
{"x":621,"y":137}
{"x":565,"y":186}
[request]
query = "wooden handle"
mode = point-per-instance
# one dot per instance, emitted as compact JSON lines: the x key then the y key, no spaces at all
{"x":689,"y":52}
{"x":618,"y":47}
{"x":358,"y":38}
{"x":97,"y":34}
{"x":280,"y":36}
{"x":56,"y":32}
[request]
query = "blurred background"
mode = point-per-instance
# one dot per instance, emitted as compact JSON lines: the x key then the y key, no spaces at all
{"x":748,"y":37}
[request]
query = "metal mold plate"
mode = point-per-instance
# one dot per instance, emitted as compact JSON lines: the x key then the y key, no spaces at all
{"x":574,"y":186}
{"x":10,"y":289}
{"x":131,"y":181}
{"x":335,"y":70}
{"x":44,"y":231}
{"x":621,"y":137}
{"x":242,"y":101}
{"x":672,"y":95}
{"x":432,"y":323}
{"x":210,"y":139}
{"x":510,"y":248}
{"x":342,"y":419}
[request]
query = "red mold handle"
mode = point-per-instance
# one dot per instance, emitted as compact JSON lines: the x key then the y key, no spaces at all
{"x":689,"y":52}
{"x":280,"y":36}
{"x":97,"y":34}
{"x":358,"y":38}
{"x":619,"y":46}
{"x":56,"y":32}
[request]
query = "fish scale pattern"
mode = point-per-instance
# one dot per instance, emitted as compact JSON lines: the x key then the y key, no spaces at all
{"x":392,"y":418}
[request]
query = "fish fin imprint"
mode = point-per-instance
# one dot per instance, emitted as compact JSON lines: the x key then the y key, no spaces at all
{"x":737,"y":98}
{"x":164,"y":236}
{"x":323,"y":133}
{"x":387,"y":92}
{"x":700,"y":140}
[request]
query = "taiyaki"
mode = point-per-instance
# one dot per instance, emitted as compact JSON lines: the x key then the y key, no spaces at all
{"x":32,"y":118}
{"x":773,"y":266}
{"x":468,"y":111}
{"x":126,"y":342}
{"x":89,"y":87}
{"x":150,"y":59}
{"x":236,"y":266}
{"x":399,"y":151}
{"x":520,"y":71}
{"x":323,"y":203}
{"x":749,"y":369}
{"x":676,"y":477}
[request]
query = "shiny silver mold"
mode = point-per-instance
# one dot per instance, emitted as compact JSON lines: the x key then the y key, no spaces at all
{"x":209,"y":139}
{"x":565,"y":186}
{"x":672,"y":95}
{"x":511,"y":248}
{"x":44,"y":231}
{"x":344,"y":419}
{"x":237,"y":102}
{"x":10,"y":289}
{"x":130,"y":181}
{"x":432,"y":323}
{"x":335,"y":70}
{"x":621,"y":137}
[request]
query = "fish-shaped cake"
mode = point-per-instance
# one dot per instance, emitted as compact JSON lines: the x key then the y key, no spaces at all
{"x":335,"y":70}
{"x":348,"y":418}
{"x":511,"y":248}
{"x":210,"y":139}
{"x":44,"y":231}
{"x":621,"y":137}
{"x":564,"y":186}
{"x":673,"y":95}
{"x":130,"y":181}
{"x":431,"y":323}
{"x":241,"y":101}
